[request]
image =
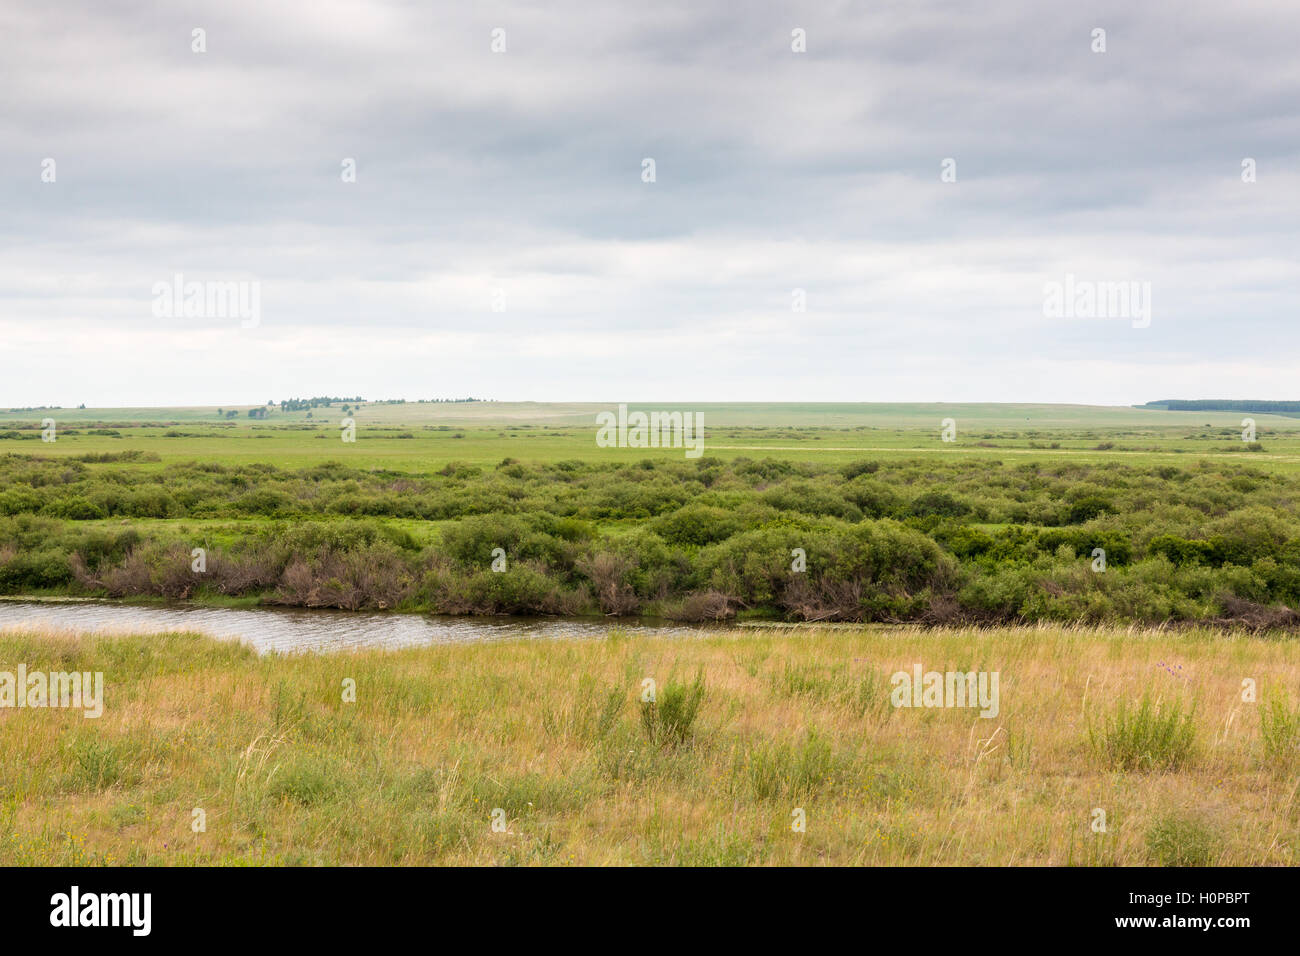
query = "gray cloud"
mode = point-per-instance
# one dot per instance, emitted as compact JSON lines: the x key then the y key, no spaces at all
{"x":520,"y":172}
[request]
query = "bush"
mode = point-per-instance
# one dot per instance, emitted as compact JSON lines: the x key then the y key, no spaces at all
{"x":696,"y":525}
{"x":610,"y":576}
{"x":34,"y":571}
{"x":74,"y":509}
{"x":701,"y":540}
{"x":939,"y":503}
{"x":1087,"y":508}
{"x":471,"y":542}
{"x":874,"y":498}
{"x":855,"y":468}
{"x":1180,"y":551}
{"x":701,"y":606}
{"x":809,"y":499}
{"x":266,"y":502}
{"x":19,"y":501}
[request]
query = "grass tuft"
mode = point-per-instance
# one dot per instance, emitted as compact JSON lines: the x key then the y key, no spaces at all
{"x":669,"y":719}
{"x":1151,"y":737}
{"x":1179,"y":840}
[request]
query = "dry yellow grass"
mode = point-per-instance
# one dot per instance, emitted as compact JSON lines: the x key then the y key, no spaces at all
{"x":551,"y":733}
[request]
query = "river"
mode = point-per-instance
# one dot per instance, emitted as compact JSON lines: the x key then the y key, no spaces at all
{"x":285,"y":629}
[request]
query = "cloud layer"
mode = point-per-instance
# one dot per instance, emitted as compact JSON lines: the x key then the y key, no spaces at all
{"x":499,"y":239}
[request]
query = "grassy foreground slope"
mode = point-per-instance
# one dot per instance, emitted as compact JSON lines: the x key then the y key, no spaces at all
{"x":555,"y":736}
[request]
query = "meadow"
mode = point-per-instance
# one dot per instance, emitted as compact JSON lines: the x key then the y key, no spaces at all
{"x":417,"y":437}
{"x":1110,"y":747}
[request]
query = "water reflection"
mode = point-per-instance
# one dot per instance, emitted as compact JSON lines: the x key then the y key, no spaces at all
{"x":277,"y":629}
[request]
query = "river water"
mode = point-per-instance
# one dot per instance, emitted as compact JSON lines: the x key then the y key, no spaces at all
{"x":279,"y":629}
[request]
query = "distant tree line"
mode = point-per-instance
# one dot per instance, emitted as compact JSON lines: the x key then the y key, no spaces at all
{"x":349,"y":405}
{"x":304,"y":404}
{"x":1224,"y":405}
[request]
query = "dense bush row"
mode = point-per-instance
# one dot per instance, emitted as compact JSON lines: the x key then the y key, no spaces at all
{"x":924,"y":539}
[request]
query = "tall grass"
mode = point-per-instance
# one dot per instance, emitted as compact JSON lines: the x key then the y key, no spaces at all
{"x":669,"y":717}
{"x":553,"y":735}
{"x":1152,"y":736}
{"x":1279,"y":731}
{"x":1177,"y":839}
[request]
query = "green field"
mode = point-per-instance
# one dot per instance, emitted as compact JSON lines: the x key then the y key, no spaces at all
{"x":753,"y":414}
{"x":416,"y":437}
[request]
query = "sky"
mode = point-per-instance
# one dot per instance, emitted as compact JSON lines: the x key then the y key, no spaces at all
{"x":849,"y":201}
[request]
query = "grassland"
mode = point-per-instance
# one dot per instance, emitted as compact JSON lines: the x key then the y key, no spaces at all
{"x":555,"y":735}
{"x":417,"y":437}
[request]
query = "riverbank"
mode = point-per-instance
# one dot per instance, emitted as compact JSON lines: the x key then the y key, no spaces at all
{"x":939,"y":539}
{"x":402,"y":757}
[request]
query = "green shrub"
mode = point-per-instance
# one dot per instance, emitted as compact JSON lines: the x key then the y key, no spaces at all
{"x":939,"y":503}
{"x":696,"y":525}
{"x":855,"y":468}
{"x":924,"y":539}
{"x":1087,"y":508}
{"x":874,"y":498}
{"x":74,"y":509}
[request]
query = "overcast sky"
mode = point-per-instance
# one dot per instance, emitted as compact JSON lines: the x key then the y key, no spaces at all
{"x":489,"y":180}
